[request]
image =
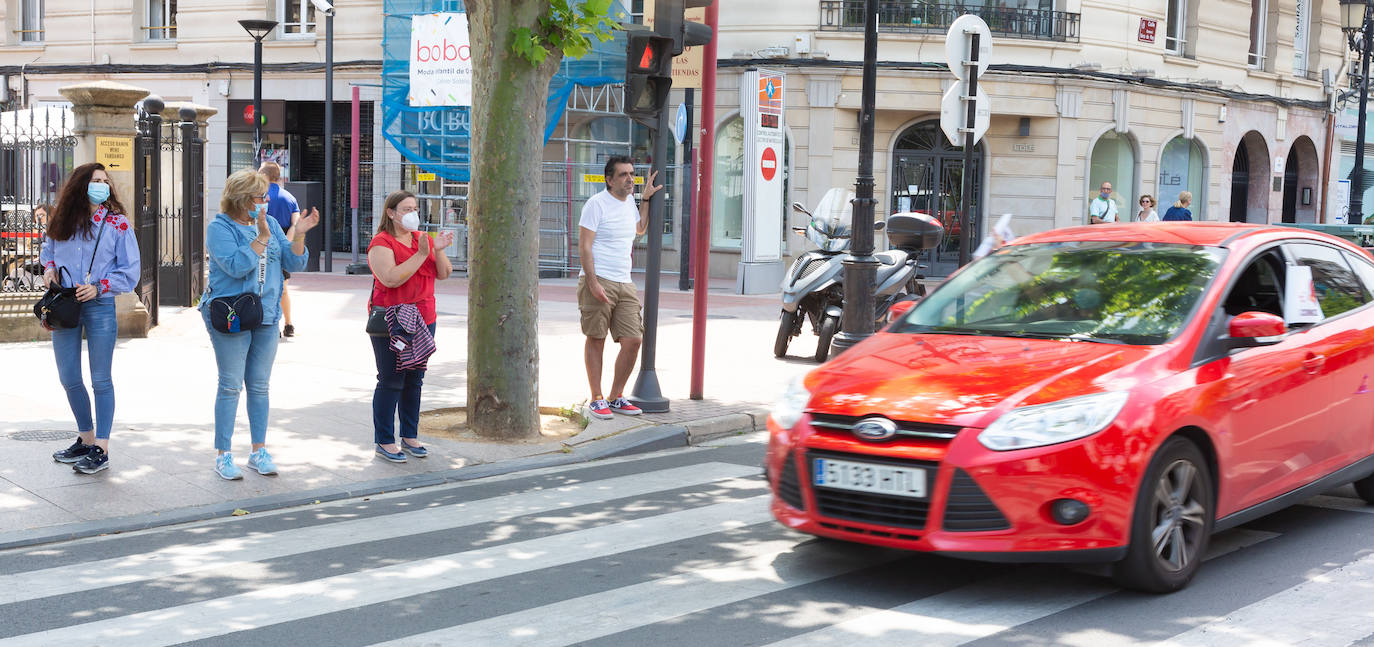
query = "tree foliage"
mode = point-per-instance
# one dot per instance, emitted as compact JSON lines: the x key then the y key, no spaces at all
{"x":567,"y":28}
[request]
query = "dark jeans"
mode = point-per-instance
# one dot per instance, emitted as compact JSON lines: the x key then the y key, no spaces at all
{"x":397,"y":393}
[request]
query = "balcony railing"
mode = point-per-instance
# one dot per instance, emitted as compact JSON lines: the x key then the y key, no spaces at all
{"x":927,"y":17}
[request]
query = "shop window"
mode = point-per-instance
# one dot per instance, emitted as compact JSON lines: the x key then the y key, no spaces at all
{"x":297,"y":17}
{"x":162,"y":20}
{"x":1113,"y":160}
{"x":1183,"y":167}
{"x":727,"y":193}
{"x":31,"y":21}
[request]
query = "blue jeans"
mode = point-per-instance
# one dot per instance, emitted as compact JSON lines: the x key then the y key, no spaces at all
{"x":398,"y":393}
{"x":244,"y":359}
{"x":101,"y":327}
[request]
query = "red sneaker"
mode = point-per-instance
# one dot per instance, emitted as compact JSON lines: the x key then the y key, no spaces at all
{"x":600,"y":409}
{"x":622,"y":406}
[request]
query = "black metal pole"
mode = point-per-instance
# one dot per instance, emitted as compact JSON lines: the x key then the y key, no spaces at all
{"x":257,"y":101}
{"x":966,"y":227}
{"x":684,"y":237}
{"x":860,"y":267}
{"x":646,"y":393}
{"x":1356,"y":215}
{"x":327,"y":246}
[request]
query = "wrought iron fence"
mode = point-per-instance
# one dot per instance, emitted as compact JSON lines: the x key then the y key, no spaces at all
{"x":929,"y":17}
{"x":35,"y":155}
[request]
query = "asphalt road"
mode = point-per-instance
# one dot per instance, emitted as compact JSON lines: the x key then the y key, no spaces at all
{"x":674,"y":548}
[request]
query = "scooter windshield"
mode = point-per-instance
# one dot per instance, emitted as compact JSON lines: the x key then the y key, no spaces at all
{"x":832,"y":221}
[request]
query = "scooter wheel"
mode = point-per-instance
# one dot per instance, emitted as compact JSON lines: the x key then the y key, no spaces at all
{"x":829,"y":326}
{"x":786,"y":328}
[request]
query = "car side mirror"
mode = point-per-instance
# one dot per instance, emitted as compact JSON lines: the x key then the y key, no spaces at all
{"x":899,"y":309}
{"x":1251,"y":329}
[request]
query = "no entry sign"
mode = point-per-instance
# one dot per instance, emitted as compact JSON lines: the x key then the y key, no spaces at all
{"x":768,"y":165}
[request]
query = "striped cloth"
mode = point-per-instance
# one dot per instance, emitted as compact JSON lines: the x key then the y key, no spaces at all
{"x":410,"y":337}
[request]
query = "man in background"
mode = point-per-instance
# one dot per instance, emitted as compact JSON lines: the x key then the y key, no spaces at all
{"x":282,"y":206}
{"x":1103,"y":208}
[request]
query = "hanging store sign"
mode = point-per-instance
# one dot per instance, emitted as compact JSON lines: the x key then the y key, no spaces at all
{"x":440,"y":60}
{"x":1147,"y":30}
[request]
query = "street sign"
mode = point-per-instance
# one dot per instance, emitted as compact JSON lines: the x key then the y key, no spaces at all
{"x":680,"y":123}
{"x":953,"y":117}
{"x":956,"y":45}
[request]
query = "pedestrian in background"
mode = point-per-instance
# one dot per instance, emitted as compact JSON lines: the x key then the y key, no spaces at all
{"x":248,"y":252}
{"x":1147,"y":211}
{"x":1103,"y":208}
{"x":405,"y":262}
{"x":606,"y":296}
{"x":282,"y":206}
{"x":89,"y":241}
{"x":1180,"y":209}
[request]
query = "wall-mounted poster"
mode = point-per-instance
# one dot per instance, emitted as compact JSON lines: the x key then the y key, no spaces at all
{"x":440,"y":60}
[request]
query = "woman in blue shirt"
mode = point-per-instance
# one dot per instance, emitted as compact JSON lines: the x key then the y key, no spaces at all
{"x":90,"y":244}
{"x":248,"y":251}
{"x":1180,"y":209}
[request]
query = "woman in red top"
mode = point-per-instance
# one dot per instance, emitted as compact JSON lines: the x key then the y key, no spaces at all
{"x":405,"y":263}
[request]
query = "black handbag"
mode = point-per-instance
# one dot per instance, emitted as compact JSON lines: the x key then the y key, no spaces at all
{"x":241,"y":312}
{"x":59,"y":307}
{"x":376,"y":318}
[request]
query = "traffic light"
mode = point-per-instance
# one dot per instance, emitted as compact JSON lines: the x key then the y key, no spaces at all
{"x":648,"y":73}
{"x":669,"y":21}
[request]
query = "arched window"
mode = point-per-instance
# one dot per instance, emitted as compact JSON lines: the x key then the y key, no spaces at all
{"x":1113,"y":160}
{"x":727,"y":211}
{"x":1183,"y":167}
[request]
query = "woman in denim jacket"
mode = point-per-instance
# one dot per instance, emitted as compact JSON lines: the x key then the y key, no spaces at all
{"x":89,"y":237}
{"x":236,"y":240}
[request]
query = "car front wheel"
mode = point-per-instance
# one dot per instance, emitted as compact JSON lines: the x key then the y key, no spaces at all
{"x":1172,"y":521}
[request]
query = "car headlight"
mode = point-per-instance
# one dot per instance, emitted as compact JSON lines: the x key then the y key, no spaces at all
{"x":1057,"y":422}
{"x":789,"y":408}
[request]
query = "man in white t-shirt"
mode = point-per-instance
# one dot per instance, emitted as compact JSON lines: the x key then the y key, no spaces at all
{"x":1103,"y":207}
{"x":606,"y":295}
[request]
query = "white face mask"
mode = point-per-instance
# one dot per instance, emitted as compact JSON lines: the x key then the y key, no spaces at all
{"x":410,"y":220}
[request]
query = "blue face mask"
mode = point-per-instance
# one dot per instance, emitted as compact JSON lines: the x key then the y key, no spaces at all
{"x":259,"y":210}
{"x":98,"y":192}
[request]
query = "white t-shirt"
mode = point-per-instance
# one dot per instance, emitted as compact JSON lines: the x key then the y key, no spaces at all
{"x":1104,"y":209}
{"x":614,"y":223}
{"x":1151,"y":216}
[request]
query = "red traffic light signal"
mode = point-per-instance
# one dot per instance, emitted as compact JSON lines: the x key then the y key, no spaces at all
{"x":648,"y":74}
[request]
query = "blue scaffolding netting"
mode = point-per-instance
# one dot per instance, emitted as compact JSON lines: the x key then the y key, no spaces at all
{"x":436,"y":138}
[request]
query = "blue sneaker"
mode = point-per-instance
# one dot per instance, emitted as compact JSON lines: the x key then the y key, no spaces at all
{"x":261,"y":461}
{"x":417,"y":452}
{"x":395,"y":457}
{"x":225,"y":467}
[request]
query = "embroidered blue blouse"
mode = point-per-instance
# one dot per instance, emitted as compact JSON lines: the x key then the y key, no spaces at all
{"x":116,"y":267}
{"x":234,"y":264}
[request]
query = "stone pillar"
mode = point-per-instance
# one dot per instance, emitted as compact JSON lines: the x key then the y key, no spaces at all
{"x":106,"y":109}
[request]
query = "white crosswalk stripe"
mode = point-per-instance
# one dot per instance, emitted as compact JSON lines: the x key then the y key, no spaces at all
{"x":234,"y":553}
{"x":305,"y":599}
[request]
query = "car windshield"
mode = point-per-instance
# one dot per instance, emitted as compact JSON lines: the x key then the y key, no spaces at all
{"x":1110,"y":292}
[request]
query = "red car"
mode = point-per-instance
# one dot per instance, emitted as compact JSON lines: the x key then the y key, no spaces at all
{"x":1113,"y":393}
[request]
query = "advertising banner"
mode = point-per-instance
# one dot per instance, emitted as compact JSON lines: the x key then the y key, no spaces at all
{"x":440,"y":60}
{"x":761,"y":107}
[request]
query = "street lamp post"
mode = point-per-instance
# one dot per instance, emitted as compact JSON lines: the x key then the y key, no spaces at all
{"x":258,"y":29}
{"x":327,"y":251}
{"x":1356,"y":23}
{"x":860,"y":266}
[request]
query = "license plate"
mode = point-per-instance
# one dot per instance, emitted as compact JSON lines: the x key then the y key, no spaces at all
{"x":869,"y":477}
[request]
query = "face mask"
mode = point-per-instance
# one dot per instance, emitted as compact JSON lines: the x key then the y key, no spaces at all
{"x":259,"y":210}
{"x":1105,"y":194}
{"x":97,"y":192}
{"x":410,"y":220}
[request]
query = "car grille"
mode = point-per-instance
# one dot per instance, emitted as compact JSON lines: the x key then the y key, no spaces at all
{"x":789,"y":488}
{"x":939,"y":433}
{"x":969,"y":509}
{"x":881,"y":509}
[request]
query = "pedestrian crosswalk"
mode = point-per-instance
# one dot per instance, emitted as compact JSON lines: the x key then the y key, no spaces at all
{"x":673,"y":548}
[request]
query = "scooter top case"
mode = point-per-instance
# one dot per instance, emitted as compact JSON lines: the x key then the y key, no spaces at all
{"x":914,"y":231}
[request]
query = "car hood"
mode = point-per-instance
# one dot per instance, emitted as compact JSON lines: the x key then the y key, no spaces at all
{"x":967,"y":380}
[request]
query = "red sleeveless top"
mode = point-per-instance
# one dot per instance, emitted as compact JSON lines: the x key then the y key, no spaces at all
{"x":419,"y":288}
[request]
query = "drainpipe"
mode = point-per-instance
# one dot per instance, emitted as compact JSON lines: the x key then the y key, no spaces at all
{"x":1326,"y":164}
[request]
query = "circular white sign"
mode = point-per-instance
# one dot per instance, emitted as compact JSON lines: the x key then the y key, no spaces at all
{"x":957,"y":41}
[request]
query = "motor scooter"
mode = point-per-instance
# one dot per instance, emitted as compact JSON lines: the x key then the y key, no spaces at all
{"x":813,"y":288}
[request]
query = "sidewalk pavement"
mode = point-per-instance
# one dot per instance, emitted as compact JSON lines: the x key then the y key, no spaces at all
{"x":320,"y":429}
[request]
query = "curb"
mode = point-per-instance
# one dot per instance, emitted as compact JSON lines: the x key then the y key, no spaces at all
{"x":634,"y":441}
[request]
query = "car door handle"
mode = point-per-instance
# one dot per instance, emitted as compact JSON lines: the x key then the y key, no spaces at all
{"x":1313,"y":363}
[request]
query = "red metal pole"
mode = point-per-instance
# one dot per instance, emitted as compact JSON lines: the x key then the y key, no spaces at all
{"x":701,"y":222}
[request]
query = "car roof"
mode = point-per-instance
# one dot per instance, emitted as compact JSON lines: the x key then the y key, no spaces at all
{"x":1212,"y":234}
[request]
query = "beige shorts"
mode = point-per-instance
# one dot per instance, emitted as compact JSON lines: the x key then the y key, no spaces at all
{"x":620,"y":317}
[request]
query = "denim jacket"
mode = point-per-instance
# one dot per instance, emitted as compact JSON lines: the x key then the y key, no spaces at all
{"x":234,"y":264}
{"x":116,"y":267}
